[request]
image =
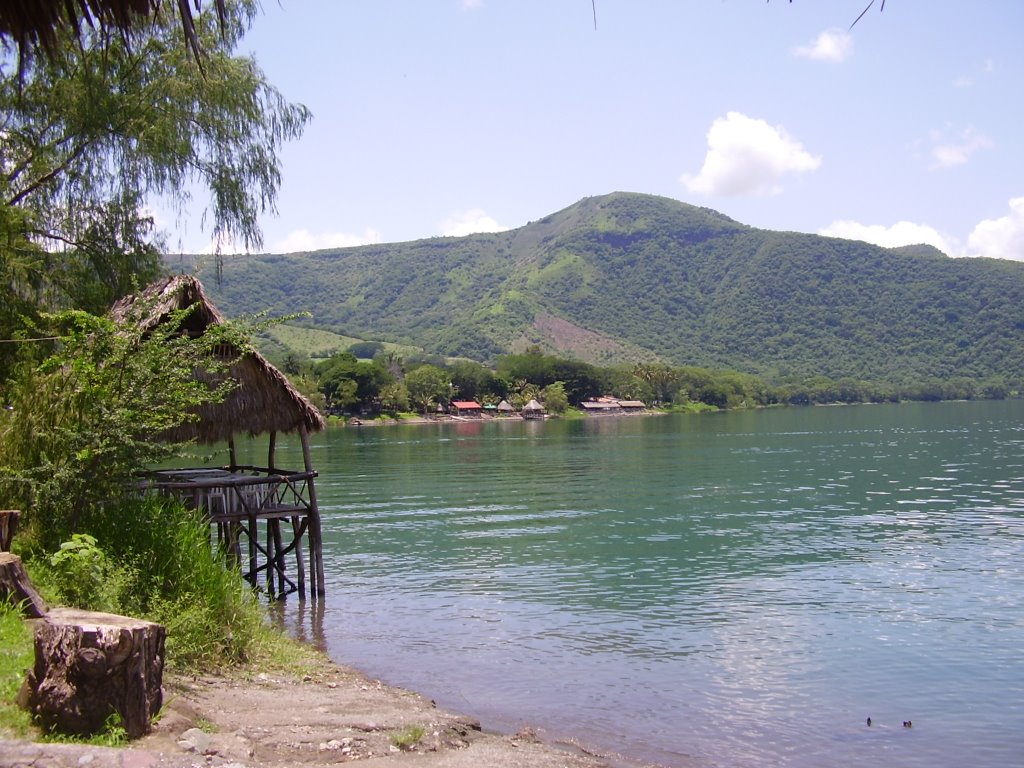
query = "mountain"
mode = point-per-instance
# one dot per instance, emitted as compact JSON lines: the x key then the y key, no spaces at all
{"x":630,"y":277}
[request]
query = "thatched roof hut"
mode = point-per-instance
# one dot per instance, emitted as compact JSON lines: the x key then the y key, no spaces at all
{"x":533,"y":410}
{"x":264,"y":400}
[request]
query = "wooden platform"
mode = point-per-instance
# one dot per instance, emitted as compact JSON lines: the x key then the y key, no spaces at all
{"x":262,"y":516}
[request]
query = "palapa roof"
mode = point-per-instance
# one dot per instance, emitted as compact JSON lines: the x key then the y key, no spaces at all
{"x":37,"y":23}
{"x":264,"y":400}
{"x":533,"y":405}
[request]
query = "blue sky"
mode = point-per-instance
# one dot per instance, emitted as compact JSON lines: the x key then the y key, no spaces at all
{"x":444,"y":117}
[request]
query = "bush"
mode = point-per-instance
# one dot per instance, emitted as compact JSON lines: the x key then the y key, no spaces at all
{"x":153,"y":558}
{"x":83,"y":576}
{"x":86,"y":419}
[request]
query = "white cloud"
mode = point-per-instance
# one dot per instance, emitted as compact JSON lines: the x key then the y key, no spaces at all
{"x":988,"y":66}
{"x":304,"y":240}
{"x":949,"y":152}
{"x":833,"y":45}
{"x":1001,"y":238}
{"x":469,"y":5}
{"x":900,"y":233}
{"x":469,"y":222}
{"x":228,"y":246}
{"x":747,"y":156}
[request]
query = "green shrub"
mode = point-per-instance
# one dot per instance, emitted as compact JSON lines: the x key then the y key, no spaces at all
{"x":82,"y":575}
{"x":152,"y":558}
{"x":84,"y":420}
{"x":408,"y":737}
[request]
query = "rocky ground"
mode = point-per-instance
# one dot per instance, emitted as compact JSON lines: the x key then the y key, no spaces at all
{"x":330,"y":717}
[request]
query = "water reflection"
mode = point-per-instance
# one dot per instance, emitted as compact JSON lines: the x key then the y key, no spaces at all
{"x":302,"y":619}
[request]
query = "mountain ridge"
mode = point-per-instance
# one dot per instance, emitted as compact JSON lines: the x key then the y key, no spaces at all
{"x":627,"y":277}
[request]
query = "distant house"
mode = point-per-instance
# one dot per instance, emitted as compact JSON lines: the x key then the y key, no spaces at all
{"x":533,"y":410}
{"x":632,"y":406}
{"x":504,"y":409}
{"x":601,"y":407}
{"x":469,"y":409}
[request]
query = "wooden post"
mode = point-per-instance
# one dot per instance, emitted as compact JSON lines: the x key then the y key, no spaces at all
{"x":91,"y":665}
{"x":300,"y":561}
{"x":232,"y":456}
{"x":8,"y":527}
{"x":316,"y":546}
{"x":272,"y":448}
{"x":16,"y":588}
{"x":275,"y":547}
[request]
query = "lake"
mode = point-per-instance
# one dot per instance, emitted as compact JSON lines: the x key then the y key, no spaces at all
{"x":728,"y":589}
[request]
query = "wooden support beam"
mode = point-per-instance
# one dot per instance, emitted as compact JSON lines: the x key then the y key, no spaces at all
{"x":316,"y":545}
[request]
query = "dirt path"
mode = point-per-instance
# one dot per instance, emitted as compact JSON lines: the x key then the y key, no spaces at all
{"x":327,"y":718}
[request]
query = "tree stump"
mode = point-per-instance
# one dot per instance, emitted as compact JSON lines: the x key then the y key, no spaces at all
{"x":17,"y":589}
{"x":8,"y":527}
{"x":90,"y":665}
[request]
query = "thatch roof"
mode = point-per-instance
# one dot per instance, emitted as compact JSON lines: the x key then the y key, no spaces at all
{"x":264,"y":400}
{"x":533,"y":405}
{"x":35,"y":24}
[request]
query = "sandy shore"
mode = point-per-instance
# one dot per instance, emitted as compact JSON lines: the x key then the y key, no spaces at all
{"x":331,"y":716}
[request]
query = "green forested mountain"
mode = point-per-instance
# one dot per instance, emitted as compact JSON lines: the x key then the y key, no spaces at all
{"x":629,"y":277}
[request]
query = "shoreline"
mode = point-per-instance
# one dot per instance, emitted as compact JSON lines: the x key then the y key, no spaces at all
{"x":356,"y":423}
{"x":326,"y":715}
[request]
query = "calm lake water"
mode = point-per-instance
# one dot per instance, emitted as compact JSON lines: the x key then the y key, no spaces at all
{"x":735,"y":589}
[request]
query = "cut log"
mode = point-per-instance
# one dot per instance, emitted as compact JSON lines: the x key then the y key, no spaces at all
{"x":17,"y":589}
{"x":90,"y":665}
{"x":8,"y":527}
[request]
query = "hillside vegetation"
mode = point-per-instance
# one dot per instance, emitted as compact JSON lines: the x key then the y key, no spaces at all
{"x":637,"y":278}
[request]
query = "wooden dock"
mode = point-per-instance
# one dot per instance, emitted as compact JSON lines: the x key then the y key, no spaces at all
{"x":262,"y":516}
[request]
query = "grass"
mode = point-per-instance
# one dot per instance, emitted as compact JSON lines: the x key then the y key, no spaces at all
{"x":158,"y":557}
{"x":267,"y":649}
{"x":112,"y":735}
{"x":16,"y":657}
{"x":320,"y":343}
{"x":157,"y":564}
{"x":408,"y":737}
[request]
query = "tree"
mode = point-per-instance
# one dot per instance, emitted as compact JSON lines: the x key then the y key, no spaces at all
{"x":350,"y":383}
{"x":662,"y":379}
{"x":554,"y":398}
{"x":85,"y":419}
{"x":98,"y":128}
{"x":428,"y":386}
{"x":533,"y":366}
{"x":366,"y":350}
{"x":394,"y":398}
{"x":474,"y":381}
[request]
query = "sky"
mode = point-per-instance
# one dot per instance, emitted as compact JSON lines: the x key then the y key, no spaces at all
{"x":447,"y":117}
